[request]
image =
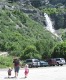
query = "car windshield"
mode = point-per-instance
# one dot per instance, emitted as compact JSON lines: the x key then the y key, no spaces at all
{"x":28,"y":60}
{"x":57,"y":59}
{"x":42,"y":61}
{"x":36,"y":60}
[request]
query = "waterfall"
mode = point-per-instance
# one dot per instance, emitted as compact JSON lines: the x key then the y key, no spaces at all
{"x":49,"y":26}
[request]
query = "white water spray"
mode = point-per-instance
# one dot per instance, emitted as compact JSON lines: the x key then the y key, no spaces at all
{"x":49,"y":24}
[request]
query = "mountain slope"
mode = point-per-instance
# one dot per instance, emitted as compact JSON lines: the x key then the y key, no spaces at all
{"x":18,"y":31}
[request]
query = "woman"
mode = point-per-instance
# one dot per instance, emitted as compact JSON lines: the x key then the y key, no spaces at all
{"x":16,"y":66}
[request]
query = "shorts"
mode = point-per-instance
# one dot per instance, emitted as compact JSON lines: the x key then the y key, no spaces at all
{"x":16,"y":69}
{"x":26,"y":72}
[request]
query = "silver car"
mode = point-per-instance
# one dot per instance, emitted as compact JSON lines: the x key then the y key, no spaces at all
{"x":33,"y":62}
{"x":60,"y":61}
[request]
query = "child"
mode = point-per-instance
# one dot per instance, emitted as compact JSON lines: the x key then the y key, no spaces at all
{"x":26,"y":70}
{"x":9,"y":72}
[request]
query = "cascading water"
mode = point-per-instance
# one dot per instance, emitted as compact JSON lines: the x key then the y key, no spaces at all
{"x":50,"y":27}
{"x":49,"y":24}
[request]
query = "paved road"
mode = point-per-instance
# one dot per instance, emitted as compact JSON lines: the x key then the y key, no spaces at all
{"x":44,"y":73}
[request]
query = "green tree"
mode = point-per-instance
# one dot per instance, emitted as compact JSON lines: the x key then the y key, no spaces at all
{"x":60,"y":50}
{"x":30,"y":52}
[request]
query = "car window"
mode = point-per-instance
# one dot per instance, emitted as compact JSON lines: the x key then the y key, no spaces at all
{"x":57,"y":59}
{"x":36,"y":60}
{"x":62,"y":59}
{"x":28,"y":60}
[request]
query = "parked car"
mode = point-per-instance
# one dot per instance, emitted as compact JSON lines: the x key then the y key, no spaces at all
{"x":60,"y":61}
{"x":52,"y":62}
{"x":33,"y":62}
{"x":43,"y":63}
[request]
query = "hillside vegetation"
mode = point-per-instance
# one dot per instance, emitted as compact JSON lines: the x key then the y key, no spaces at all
{"x":23,"y":30}
{"x":22,"y":36}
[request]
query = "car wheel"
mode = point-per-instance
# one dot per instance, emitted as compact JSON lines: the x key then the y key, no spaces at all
{"x":30,"y":66}
{"x":57,"y":64}
{"x":61,"y":64}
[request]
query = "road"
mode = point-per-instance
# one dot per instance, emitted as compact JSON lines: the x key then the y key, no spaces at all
{"x":41,"y":73}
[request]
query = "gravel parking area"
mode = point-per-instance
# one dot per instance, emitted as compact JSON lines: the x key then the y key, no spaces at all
{"x":41,"y":73}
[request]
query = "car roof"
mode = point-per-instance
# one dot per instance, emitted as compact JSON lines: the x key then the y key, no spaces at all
{"x":31,"y":59}
{"x":59,"y":58}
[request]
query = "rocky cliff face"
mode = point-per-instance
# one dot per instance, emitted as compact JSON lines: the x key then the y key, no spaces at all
{"x":34,"y":8}
{"x":37,"y":3}
{"x":58,"y":16}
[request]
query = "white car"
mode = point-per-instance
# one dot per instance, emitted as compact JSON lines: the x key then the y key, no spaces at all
{"x":60,"y":61}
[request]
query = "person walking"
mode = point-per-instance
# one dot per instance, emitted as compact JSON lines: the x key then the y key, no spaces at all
{"x":16,"y":66}
{"x":26,"y":70}
{"x":9,"y":72}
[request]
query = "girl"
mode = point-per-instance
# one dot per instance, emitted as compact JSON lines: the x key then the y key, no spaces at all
{"x":26,"y":70}
{"x":9,"y":72}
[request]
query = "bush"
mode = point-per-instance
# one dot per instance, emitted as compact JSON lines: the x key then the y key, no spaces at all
{"x":6,"y":62}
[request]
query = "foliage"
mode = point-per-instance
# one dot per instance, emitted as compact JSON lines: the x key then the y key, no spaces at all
{"x":57,"y":15}
{"x":31,"y":52}
{"x":54,"y":10}
{"x":60,"y":50}
{"x":64,"y":36}
{"x":23,"y":37}
{"x":6,"y":62}
{"x":45,"y":47}
{"x":20,"y":36}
